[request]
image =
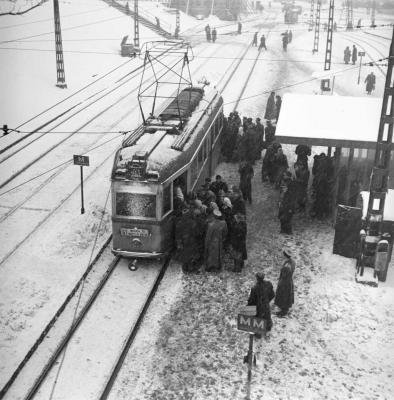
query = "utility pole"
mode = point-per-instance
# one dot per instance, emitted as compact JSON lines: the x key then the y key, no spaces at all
{"x":61,"y":77}
{"x":212,"y":4}
{"x":317,"y":28}
{"x":311,"y":15}
{"x":330,"y":28}
{"x":373,"y":11}
{"x":349,"y":15}
{"x":380,"y":173}
{"x":177,"y":20}
{"x":136,"y":26}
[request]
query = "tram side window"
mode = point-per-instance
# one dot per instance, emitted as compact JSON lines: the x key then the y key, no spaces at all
{"x":167,"y":199}
{"x":136,"y":205}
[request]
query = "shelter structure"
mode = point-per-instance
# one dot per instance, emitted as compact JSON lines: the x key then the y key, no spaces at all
{"x":348,"y":124}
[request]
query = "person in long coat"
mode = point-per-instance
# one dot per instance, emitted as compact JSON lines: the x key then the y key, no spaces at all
{"x":284,"y":297}
{"x":346,"y":55}
{"x":187,"y":239}
{"x":214,"y":239}
{"x":280,"y":165}
{"x":246,"y":174}
{"x":354,"y":54}
{"x":254,"y":43}
{"x":270,"y":109}
{"x":370,"y":80}
{"x":237,"y":239}
{"x":260,"y":296}
{"x":278,"y":105}
{"x":214,"y":35}
{"x":237,"y":201}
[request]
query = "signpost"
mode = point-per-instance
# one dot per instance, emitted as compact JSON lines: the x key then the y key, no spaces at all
{"x":82,"y":161}
{"x":361,"y":54}
{"x":248,"y":322}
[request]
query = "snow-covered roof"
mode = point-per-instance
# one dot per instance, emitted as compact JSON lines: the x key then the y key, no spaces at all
{"x":388,"y":214}
{"x":324,"y":120}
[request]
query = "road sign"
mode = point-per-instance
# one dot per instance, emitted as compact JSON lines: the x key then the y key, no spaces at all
{"x":81,"y":160}
{"x":248,"y":322}
{"x":361,"y":53}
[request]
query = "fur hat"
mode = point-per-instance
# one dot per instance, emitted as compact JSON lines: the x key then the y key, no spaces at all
{"x":217,"y":213}
{"x":260,"y":276}
{"x":287,"y":253}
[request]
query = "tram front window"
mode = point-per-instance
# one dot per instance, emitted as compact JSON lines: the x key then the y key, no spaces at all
{"x":136,"y":205}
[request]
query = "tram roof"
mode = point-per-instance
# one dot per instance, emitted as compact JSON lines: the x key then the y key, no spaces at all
{"x":324,"y":120}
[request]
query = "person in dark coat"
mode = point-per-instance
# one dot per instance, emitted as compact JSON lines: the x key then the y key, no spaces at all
{"x":286,"y":208}
{"x":290,"y":36}
{"x":260,"y":135}
{"x":262,"y":43}
{"x":237,"y":201}
{"x":246,"y":174}
{"x":269,"y":133}
{"x":254,"y":43}
{"x":237,"y":240}
{"x":214,"y":240}
{"x":266,"y":168}
{"x":346,"y":55}
{"x":303,"y":151}
{"x":219,"y":184}
{"x":370,"y":81}
{"x":284,"y":297}
{"x":208,"y":32}
{"x":301,"y":181}
{"x":280,"y":165}
{"x":214,"y":35}
{"x":285,"y":40}
{"x":260,"y":296}
{"x":239,"y":28}
{"x":278,"y":105}
{"x":270,"y":109}
{"x":187,"y":241}
{"x":354,"y":54}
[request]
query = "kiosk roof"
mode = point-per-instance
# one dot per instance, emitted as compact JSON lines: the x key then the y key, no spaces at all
{"x":323,"y":120}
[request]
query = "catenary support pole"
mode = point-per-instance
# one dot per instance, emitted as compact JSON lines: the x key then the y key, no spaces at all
{"x":136,"y":25}
{"x":250,"y":356}
{"x":61,"y":77}
{"x":82,"y":204}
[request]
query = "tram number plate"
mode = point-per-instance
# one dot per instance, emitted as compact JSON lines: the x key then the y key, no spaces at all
{"x":134,"y":232}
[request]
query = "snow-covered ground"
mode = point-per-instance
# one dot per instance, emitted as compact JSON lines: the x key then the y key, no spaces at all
{"x":337,"y":342}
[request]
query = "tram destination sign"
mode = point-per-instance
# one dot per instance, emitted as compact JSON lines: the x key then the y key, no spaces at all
{"x":81,"y":160}
{"x":248,"y":322}
{"x":134,"y":232}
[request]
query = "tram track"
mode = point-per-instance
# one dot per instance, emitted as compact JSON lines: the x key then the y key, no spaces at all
{"x":358,"y":41}
{"x":29,"y":354}
{"x":152,"y":292}
{"x":120,"y":84}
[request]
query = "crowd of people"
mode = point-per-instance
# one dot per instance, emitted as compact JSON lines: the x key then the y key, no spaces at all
{"x":210,"y":224}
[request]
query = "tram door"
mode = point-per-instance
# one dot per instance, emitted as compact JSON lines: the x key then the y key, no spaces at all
{"x":347,"y":231}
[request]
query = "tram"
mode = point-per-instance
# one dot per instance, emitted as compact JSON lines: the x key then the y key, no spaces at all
{"x":181,"y":144}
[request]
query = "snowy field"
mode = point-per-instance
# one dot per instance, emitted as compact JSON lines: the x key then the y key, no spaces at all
{"x":337,"y":342}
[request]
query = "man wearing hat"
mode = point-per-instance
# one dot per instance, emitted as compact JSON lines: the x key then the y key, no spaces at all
{"x":214,"y":239}
{"x":260,"y":296}
{"x":284,"y":297}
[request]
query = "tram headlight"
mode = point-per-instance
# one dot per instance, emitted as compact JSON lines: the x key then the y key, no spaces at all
{"x":136,"y":243}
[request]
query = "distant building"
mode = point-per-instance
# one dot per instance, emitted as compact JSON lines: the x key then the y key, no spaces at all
{"x":224,"y":9}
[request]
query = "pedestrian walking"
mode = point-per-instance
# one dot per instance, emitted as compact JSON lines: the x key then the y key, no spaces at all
{"x":208,"y":32}
{"x":370,"y":81}
{"x":239,"y":28}
{"x":254,"y":43}
{"x":214,"y":239}
{"x":354,"y":54}
{"x":346,"y":55}
{"x":214,"y":35}
{"x":270,"y":109}
{"x":262,"y":43}
{"x":246,"y":174}
{"x":284,"y":297}
{"x":260,"y":296}
{"x":285,"y":41}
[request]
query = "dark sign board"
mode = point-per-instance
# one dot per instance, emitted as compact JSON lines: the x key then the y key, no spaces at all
{"x":81,"y":160}
{"x":250,"y":324}
{"x":361,"y":53}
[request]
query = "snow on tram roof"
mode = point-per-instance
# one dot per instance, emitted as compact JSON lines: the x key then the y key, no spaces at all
{"x":162,"y":157}
{"x":324,"y":120}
